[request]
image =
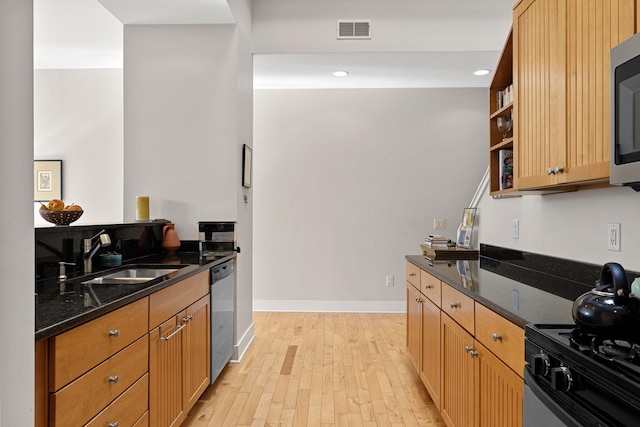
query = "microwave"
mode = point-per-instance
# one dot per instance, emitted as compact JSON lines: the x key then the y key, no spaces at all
{"x":625,"y":113}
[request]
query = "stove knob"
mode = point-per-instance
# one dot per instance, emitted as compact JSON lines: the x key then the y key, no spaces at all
{"x":541,"y":364}
{"x":561,"y":379}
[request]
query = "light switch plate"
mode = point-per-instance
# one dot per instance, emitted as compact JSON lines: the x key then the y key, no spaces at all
{"x":438,"y":224}
{"x":613,"y":237}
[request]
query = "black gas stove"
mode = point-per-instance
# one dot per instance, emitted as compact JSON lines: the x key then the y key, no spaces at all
{"x":575,"y":378}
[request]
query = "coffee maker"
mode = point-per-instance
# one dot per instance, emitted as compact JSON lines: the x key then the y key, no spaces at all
{"x":217,"y":239}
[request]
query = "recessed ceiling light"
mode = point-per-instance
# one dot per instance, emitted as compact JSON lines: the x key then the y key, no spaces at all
{"x":482,"y":72}
{"x":340,"y":74}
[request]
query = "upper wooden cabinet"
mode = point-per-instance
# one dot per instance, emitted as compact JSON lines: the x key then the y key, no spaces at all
{"x":561,"y":79}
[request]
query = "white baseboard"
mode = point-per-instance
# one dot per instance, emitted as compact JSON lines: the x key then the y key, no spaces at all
{"x":331,"y":306}
{"x":243,"y":344}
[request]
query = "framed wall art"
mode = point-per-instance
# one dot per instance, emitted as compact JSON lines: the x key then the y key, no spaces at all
{"x":246,"y":166}
{"x":47,"y":180}
{"x":465,"y":231}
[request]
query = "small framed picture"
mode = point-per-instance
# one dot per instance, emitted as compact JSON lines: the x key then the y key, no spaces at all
{"x":465,"y":230}
{"x":47,"y":180}
{"x":246,"y":166}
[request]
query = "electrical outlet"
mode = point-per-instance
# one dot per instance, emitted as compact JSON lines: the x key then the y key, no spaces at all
{"x":389,"y":281}
{"x":515,"y":231}
{"x":613,"y":237}
{"x":438,"y":224}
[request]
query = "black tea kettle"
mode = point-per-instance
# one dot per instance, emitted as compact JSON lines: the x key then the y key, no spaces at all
{"x":607,"y":309}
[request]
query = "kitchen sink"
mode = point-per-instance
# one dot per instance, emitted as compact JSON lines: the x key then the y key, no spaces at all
{"x":131,"y":276}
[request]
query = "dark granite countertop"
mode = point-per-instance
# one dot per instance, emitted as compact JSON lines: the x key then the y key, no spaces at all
{"x":56,"y":313}
{"x":522,"y":287}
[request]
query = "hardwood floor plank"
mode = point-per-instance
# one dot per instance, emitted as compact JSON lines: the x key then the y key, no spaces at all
{"x":320,"y":369}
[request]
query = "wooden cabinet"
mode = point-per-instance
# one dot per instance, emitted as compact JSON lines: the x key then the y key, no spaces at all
{"x":469,"y":358}
{"x":458,"y":394}
{"x":414,"y":325}
{"x":501,"y":108}
{"x":179,"y":368}
{"x":98,"y":363}
{"x":423,"y":330}
{"x":561,"y":79}
{"x":430,"y":350}
{"x":114,"y":371}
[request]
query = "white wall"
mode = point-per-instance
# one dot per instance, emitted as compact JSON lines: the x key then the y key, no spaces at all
{"x":16,"y":228}
{"x":347,"y":182}
{"x":567,"y":225}
{"x":188,"y":111}
{"x":78,"y":119}
{"x":180,"y":126}
{"x":309,"y":26}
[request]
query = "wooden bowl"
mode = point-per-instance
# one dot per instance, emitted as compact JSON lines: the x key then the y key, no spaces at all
{"x":60,"y":217}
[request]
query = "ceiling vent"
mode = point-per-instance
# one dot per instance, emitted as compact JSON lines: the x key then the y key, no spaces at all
{"x":354,"y":30}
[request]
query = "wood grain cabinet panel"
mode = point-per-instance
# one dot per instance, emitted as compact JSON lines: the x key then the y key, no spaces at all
{"x":169,"y":301}
{"x":197,"y":350}
{"x":127,"y":409}
{"x":458,"y":393}
{"x":430,"y":350}
{"x":459,"y":307}
{"x":74,"y":352}
{"x":78,"y":402}
{"x":431,"y":287}
{"x":413,"y":275}
{"x":499,"y":391}
{"x":503,"y":338}
{"x":562,"y":90}
{"x":414,"y":325}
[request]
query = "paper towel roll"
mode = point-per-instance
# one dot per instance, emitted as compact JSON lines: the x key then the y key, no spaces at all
{"x":142,"y":207}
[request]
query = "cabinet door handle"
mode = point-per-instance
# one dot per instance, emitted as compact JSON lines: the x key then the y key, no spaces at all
{"x":558,"y":169}
{"x":168,"y":337}
{"x":473,"y":353}
{"x":496,"y":337}
{"x":113,"y":424}
{"x":187,"y":319}
{"x":428,"y":286}
{"x":550,"y":171}
{"x":467,"y":348}
{"x":412,"y":274}
{"x":454,"y":305}
{"x":115,"y":333}
{"x":113,"y":379}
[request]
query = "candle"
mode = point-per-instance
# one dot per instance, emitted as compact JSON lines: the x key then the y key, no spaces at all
{"x":142,"y":207}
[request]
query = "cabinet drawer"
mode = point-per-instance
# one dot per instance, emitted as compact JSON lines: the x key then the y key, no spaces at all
{"x":74,"y":352}
{"x":459,"y":307}
{"x":431,"y":287}
{"x":169,"y":301}
{"x":128,"y":408}
{"x":78,"y":402}
{"x":501,"y":337}
{"x":143,"y":421}
{"x":413,"y":275}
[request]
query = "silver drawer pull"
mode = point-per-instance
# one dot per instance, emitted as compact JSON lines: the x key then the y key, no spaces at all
{"x":454,"y":305}
{"x":496,"y":337}
{"x":467,"y":348}
{"x":114,"y":333}
{"x":428,"y":286}
{"x":168,"y":337}
{"x":473,"y":353}
{"x":114,"y":424}
{"x":187,"y":319}
{"x":114,"y":379}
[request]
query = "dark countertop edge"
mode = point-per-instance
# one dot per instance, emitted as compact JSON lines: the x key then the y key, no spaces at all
{"x":71,"y":323}
{"x":423,"y":263}
{"x":106,"y":225}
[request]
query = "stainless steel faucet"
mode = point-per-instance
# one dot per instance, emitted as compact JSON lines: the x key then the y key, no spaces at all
{"x":90,"y":249}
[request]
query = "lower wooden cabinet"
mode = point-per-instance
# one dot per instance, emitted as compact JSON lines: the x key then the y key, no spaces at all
{"x":458,"y":394}
{"x":179,"y":366}
{"x":430,"y":350}
{"x":470,"y":360}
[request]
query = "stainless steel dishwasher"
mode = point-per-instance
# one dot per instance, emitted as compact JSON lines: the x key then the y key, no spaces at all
{"x":223,"y":284}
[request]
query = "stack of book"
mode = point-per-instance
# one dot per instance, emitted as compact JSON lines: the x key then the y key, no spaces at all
{"x":437,"y":241}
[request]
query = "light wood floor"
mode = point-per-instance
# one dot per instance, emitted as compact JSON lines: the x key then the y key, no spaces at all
{"x":320,"y":369}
